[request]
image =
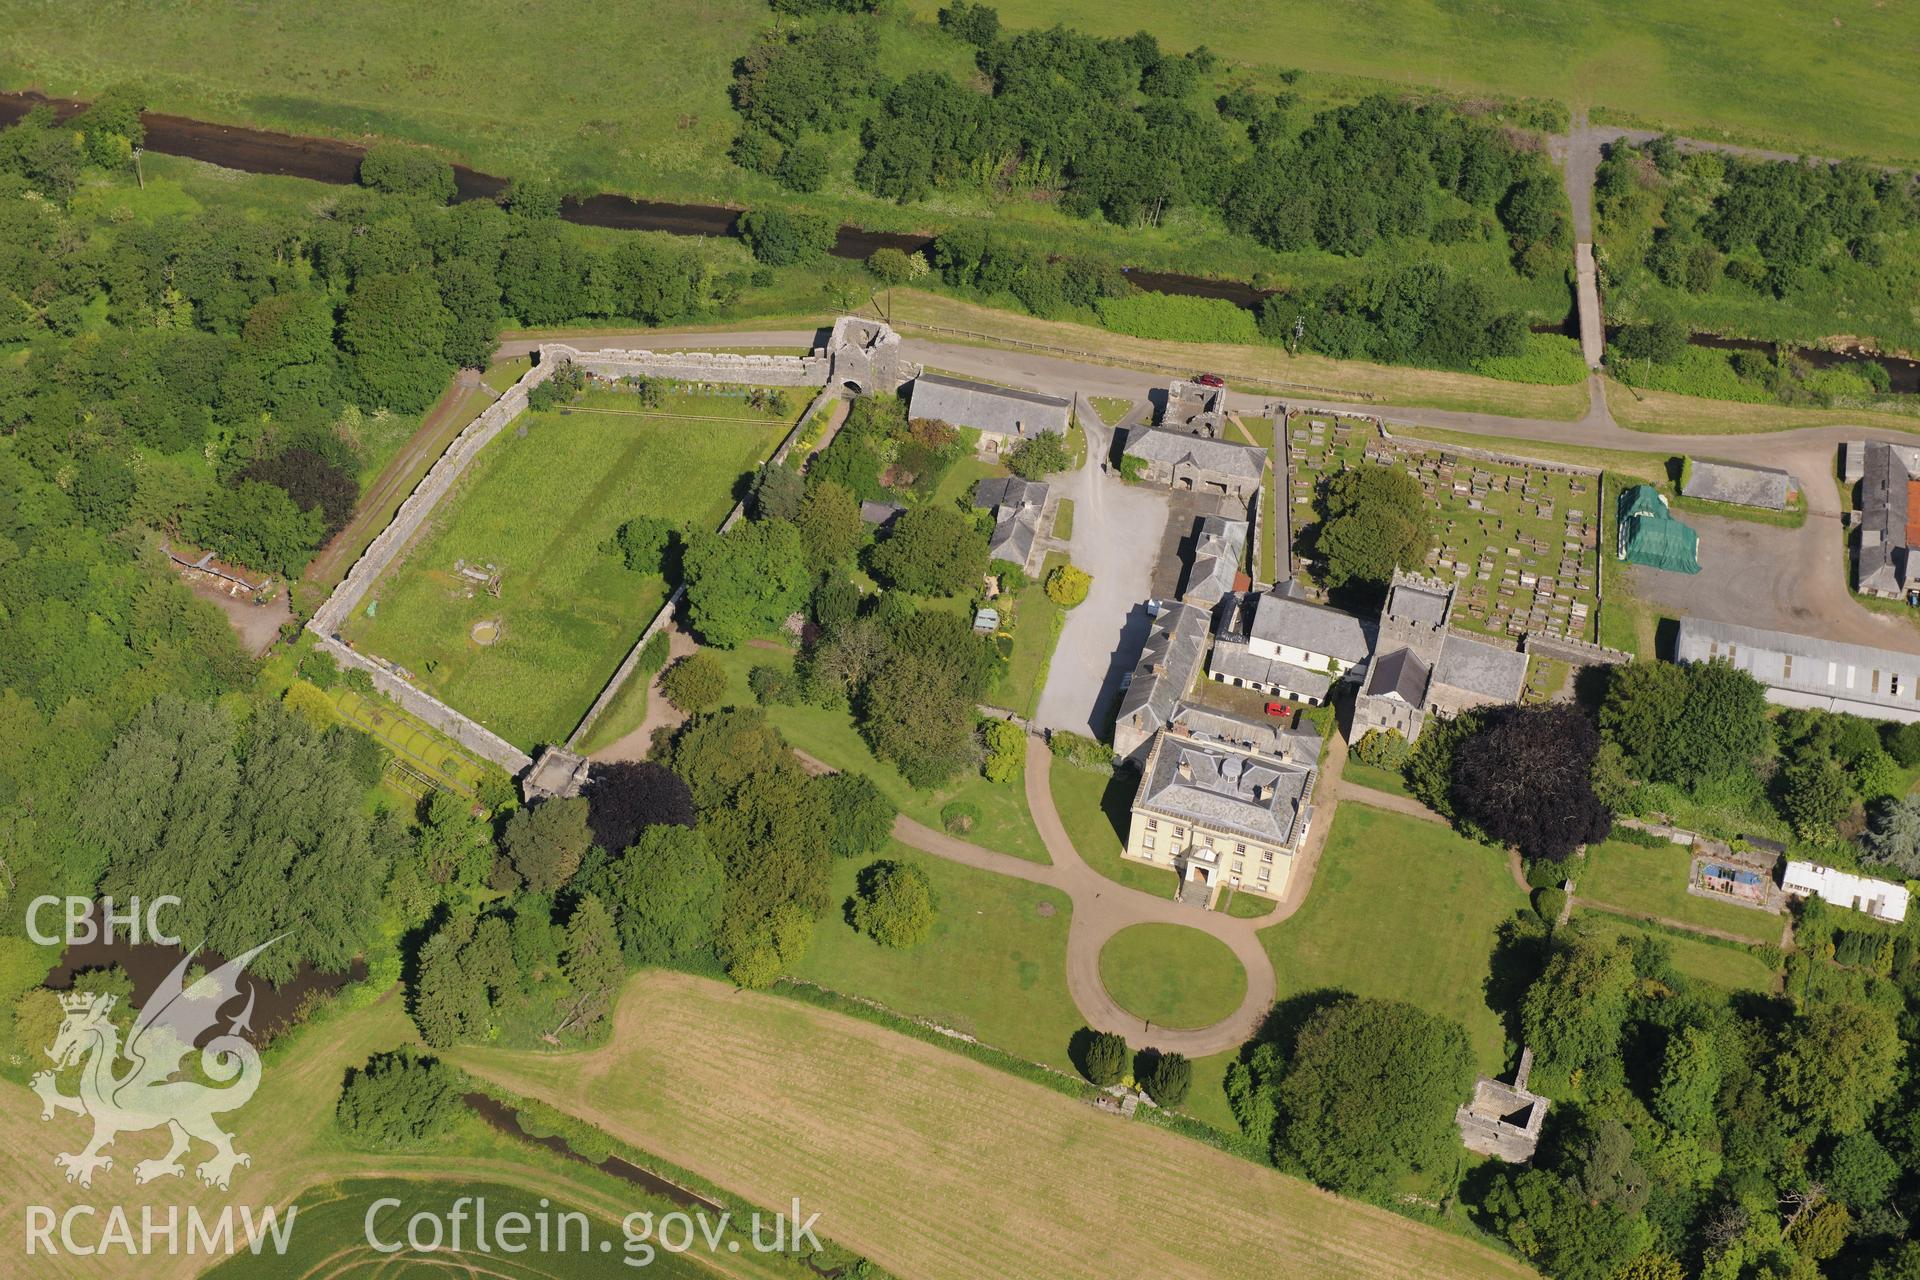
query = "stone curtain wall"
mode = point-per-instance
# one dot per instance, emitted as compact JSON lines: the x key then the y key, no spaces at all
{"x":476,"y":738}
{"x":420,"y":503}
{"x":697,"y":366}
{"x":693,"y":366}
{"x":1578,"y":652}
{"x":383,"y":550}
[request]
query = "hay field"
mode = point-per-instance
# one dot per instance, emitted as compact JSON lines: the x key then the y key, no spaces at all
{"x":936,"y":1166}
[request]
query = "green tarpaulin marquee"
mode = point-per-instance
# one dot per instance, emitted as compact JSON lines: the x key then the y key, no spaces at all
{"x":1650,"y":535}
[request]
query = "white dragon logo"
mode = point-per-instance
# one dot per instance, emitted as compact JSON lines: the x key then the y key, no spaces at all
{"x":148,"y":1095}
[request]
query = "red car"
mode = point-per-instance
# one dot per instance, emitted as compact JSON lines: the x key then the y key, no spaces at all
{"x":1209,"y":379}
{"x":1278,"y":709}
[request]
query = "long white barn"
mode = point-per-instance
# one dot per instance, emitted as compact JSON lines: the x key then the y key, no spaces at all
{"x":1806,"y":671}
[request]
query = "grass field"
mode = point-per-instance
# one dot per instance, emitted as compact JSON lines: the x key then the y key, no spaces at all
{"x":1723,"y":965}
{"x":829,"y":735}
{"x":1096,"y":808}
{"x":1171,"y":975}
{"x":365,"y":70}
{"x":936,"y":1166}
{"x":1365,"y":775}
{"x":1402,"y":909}
{"x":1638,"y":878}
{"x":995,"y":967}
{"x":542,"y":509}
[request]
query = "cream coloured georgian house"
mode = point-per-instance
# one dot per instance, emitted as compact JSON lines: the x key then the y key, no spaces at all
{"x":1220,"y":815}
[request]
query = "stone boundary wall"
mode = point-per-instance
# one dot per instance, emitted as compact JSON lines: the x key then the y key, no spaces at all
{"x":382,"y":551}
{"x":625,"y":671}
{"x":1410,"y":443}
{"x":413,"y":513}
{"x":697,"y":366}
{"x":482,"y":741}
{"x":1579,"y":652}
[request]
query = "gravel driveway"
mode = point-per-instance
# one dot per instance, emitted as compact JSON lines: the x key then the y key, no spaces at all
{"x":1116,"y":537}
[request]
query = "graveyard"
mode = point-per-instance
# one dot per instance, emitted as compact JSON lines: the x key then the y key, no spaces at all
{"x":1521,"y":538}
{"x":511,"y":604}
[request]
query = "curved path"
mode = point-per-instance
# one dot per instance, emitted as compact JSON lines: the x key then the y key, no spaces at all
{"x":1102,"y":908}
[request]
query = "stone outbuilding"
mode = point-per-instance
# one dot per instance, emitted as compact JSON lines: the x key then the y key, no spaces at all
{"x":1219,"y":546}
{"x":1003,"y":416}
{"x":1504,"y":1120}
{"x":865,"y":357}
{"x":1886,"y":563}
{"x":1169,"y":663}
{"x":558,"y":773}
{"x":1198,"y":463}
{"x":1018,"y":507}
{"x":1739,"y":483}
{"x":1195,"y":409}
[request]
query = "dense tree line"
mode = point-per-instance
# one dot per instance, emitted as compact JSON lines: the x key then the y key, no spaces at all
{"x":1357,"y":1094}
{"x":1119,"y":128}
{"x":1694,"y":1131}
{"x":1422,"y":313}
{"x":1691,"y":239}
{"x":1776,"y":226}
{"x":910,"y":677}
{"x":217,"y":373}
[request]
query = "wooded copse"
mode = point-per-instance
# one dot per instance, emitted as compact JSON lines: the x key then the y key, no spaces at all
{"x":223,"y":374}
{"x":1121,"y":133}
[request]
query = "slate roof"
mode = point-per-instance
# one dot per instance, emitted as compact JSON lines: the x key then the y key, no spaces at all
{"x":1298,"y":743}
{"x":1219,"y":546}
{"x":1233,"y":660}
{"x":1168,"y":664}
{"x":1807,"y":671}
{"x":1413,"y":600}
{"x":1225,"y":788}
{"x":1000,"y":410}
{"x":1016,"y":507}
{"x":1009,"y":491}
{"x":1014,"y":534}
{"x":1488,"y":670}
{"x":1885,"y":488}
{"x":1400,"y":673}
{"x":1737,"y":482}
{"x":1300,"y":624}
{"x":1175,"y":447}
